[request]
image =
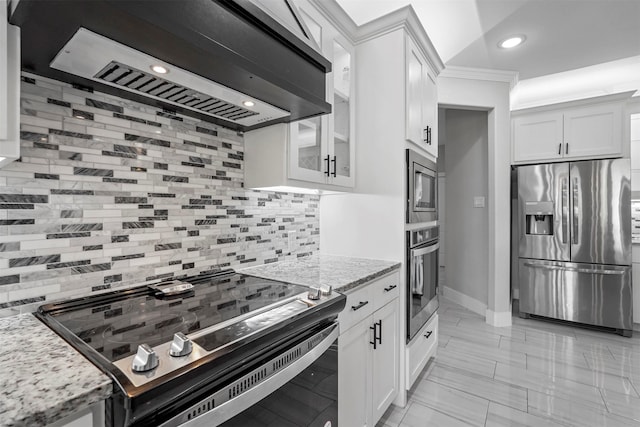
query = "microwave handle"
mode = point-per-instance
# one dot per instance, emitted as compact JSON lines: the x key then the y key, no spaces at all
{"x":425,"y":250}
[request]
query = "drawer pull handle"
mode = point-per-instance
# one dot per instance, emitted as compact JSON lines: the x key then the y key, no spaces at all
{"x":392,"y":287}
{"x":428,"y":334}
{"x":359,"y":306}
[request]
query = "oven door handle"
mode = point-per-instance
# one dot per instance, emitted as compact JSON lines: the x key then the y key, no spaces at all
{"x":425,"y":250}
{"x":260,"y":390}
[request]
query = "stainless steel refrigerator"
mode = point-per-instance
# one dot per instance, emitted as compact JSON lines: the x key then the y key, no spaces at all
{"x":574,"y":254}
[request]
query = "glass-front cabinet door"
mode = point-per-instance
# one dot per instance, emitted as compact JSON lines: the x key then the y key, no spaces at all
{"x":308,"y":155}
{"x":309,"y":160}
{"x":321,"y":149}
{"x":342,"y":152}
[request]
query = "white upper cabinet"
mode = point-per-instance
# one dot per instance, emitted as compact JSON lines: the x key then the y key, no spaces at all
{"x":537,"y":137}
{"x":9,"y":88}
{"x":315,"y":153}
{"x":593,"y":131}
{"x":421,"y":113}
{"x":578,"y":130}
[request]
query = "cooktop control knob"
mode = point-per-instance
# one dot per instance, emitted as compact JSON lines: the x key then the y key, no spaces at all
{"x":181,"y":345}
{"x":326,"y":291}
{"x":314,"y":294}
{"x":146,"y":359}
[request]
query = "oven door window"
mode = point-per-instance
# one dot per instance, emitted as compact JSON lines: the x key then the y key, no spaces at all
{"x":422,"y":286}
{"x":424,"y":187}
{"x":424,"y":278}
{"x":310,"y":399}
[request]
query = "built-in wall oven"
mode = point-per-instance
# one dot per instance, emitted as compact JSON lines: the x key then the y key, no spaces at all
{"x":422,"y":277}
{"x":422,"y":188}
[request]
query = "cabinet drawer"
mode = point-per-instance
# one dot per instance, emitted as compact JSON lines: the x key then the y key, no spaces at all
{"x":359,"y":305}
{"x":422,"y":348}
{"x":385,"y":289}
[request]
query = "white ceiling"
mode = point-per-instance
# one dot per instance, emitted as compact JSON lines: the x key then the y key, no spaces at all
{"x":561,"y":35}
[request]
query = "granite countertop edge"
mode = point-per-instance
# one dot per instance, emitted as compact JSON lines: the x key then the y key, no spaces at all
{"x":356,"y":284}
{"x":344,"y":274}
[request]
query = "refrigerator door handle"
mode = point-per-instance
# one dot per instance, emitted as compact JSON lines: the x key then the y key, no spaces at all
{"x":575,"y":269}
{"x":576,"y":211}
{"x":565,"y":209}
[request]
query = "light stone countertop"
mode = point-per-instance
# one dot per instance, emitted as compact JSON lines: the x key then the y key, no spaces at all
{"x":343,"y":273}
{"x":42,"y":378}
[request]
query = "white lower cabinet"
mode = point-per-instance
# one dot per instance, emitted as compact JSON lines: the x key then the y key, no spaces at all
{"x":423,"y":347}
{"x":385,"y":359}
{"x":368,"y":351}
{"x":93,"y":416}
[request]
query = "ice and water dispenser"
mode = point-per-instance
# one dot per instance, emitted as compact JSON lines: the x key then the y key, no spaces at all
{"x":539,"y":218}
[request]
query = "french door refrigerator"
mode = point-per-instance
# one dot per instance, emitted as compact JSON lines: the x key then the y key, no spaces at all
{"x":574,"y":254}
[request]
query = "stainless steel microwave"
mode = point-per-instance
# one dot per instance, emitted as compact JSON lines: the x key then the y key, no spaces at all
{"x":422,"y":188}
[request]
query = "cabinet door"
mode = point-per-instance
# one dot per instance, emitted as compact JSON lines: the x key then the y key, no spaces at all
{"x":385,"y":359}
{"x":594,"y":131}
{"x":341,"y":143}
{"x":354,"y":381}
{"x":9,"y":88}
{"x":416,"y":73}
{"x":538,"y":137}
{"x":308,"y":156}
{"x":430,"y":109}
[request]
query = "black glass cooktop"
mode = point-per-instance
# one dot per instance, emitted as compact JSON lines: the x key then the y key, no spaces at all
{"x":116,"y":327}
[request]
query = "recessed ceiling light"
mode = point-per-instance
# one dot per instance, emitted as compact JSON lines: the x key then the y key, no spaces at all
{"x":159,"y":69}
{"x":510,"y":42}
{"x":248,"y":103}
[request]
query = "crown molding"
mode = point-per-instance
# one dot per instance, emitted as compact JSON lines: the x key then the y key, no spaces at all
{"x":404,"y":18}
{"x":333,"y":12}
{"x":455,"y":72}
{"x":615,"y":97}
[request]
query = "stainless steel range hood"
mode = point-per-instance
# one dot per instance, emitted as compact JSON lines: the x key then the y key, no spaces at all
{"x":231,"y":62}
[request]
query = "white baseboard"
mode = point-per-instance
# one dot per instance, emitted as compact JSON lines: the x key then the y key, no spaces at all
{"x":498,"y":319}
{"x":464,"y":300}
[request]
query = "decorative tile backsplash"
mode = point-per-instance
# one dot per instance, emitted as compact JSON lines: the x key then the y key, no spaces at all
{"x":111,"y":193}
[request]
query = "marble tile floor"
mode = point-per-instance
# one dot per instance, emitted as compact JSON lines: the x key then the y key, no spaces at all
{"x":534,"y":373}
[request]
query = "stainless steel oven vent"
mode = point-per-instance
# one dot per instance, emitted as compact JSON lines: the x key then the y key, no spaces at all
{"x":149,"y":84}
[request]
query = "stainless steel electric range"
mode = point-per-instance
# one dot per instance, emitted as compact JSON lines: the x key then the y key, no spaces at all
{"x":209,"y":349}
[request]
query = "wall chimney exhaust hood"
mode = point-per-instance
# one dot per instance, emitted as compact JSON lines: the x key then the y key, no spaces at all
{"x":231,"y":62}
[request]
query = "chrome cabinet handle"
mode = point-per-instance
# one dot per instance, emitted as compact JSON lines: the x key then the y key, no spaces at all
{"x":359,"y":306}
{"x":326,"y":172}
{"x":390,"y":288}
{"x":559,"y":148}
{"x":566,"y":148}
{"x":428,"y":334}
{"x":334,"y":161}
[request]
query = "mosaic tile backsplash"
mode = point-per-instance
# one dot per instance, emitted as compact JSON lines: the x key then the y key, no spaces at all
{"x":110,"y":193}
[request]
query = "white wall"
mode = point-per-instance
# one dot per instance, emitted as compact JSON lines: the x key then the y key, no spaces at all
{"x":369,"y":223}
{"x":492,"y":96}
{"x":466,"y":228}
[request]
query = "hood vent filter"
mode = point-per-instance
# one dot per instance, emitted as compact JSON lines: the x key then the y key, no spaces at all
{"x":98,"y":58}
{"x":133,"y":79}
